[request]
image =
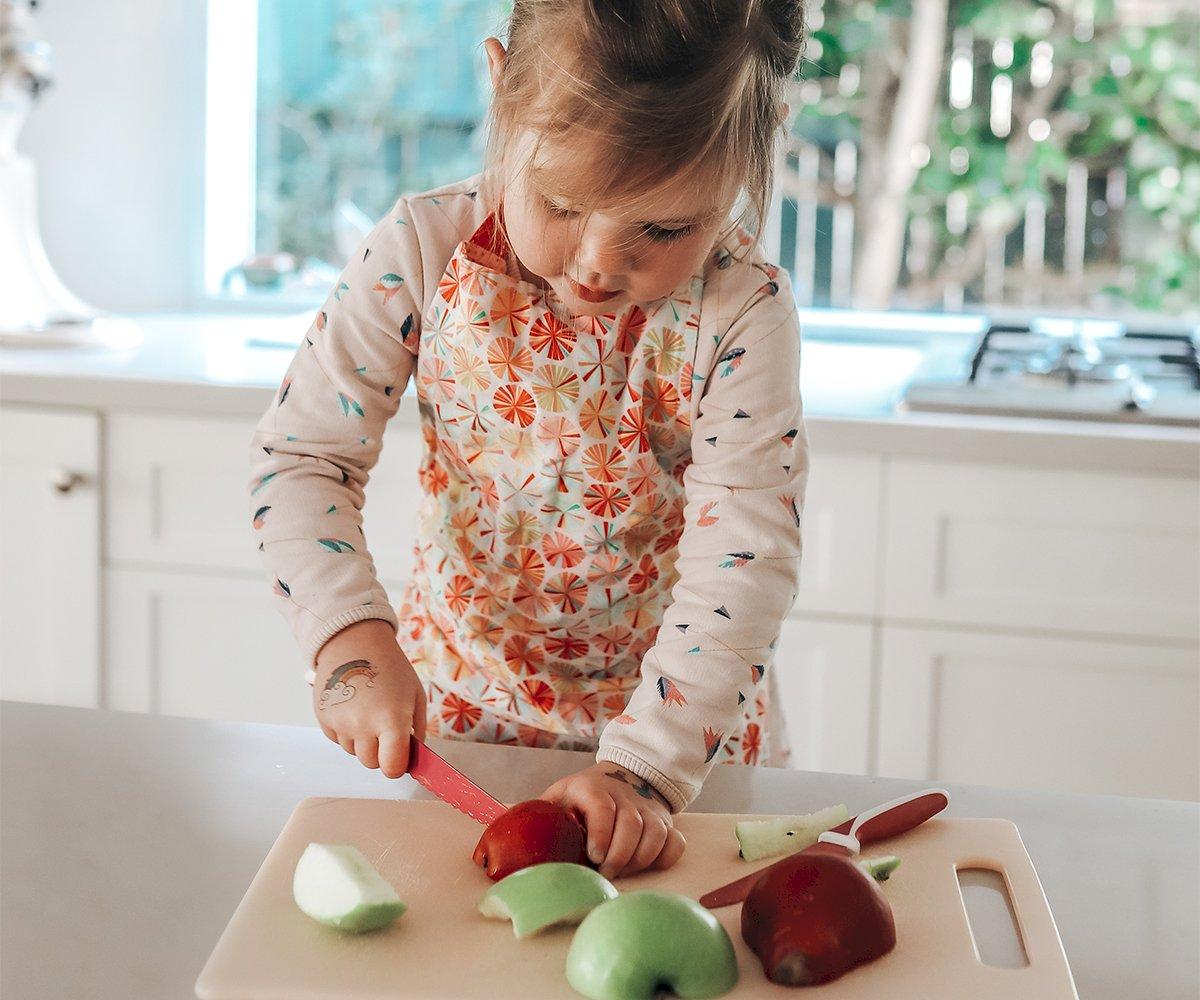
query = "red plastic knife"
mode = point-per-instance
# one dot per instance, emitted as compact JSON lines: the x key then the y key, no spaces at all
{"x":888,"y":820}
{"x":450,"y":785}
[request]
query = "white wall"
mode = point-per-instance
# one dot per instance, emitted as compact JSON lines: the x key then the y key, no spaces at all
{"x":119,"y":142}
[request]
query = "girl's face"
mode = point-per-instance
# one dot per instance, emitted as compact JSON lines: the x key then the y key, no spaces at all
{"x":599,"y":263}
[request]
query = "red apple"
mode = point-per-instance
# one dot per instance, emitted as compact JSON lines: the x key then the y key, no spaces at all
{"x":814,"y":917}
{"x":531,"y":833}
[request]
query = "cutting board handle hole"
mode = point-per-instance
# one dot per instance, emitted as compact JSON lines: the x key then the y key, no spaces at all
{"x":991,"y":918}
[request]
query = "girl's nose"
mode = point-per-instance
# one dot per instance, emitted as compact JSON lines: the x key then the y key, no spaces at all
{"x":604,"y":252}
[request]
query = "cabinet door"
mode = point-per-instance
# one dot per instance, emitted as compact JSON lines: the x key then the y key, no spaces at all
{"x":1056,"y":714}
{"x":823,"y":676}
{"x":841,"y":521}
{"x":50,"y":554}
{"x":178,"y":491}
{"x":207,"y":646}
{"x":1043,"y":548}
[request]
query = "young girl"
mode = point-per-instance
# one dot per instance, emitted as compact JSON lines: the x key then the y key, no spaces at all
{"x":607,"y":373}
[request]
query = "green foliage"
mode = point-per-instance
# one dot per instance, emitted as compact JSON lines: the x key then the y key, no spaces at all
{"x":1125,"y":97}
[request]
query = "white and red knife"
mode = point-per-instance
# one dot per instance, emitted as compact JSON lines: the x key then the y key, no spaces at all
{"x":450,"y":785}
{"x":888,"y":820}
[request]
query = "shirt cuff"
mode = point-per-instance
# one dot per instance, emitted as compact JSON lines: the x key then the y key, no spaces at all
{"x":335,"y":625}
{"x":647,"y":772}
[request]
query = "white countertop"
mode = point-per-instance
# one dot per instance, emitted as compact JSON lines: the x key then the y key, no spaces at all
{"x":217,"y":365}
{"x":128,"y":841}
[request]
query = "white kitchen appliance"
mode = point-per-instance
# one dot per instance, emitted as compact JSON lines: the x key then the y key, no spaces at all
{"x":1075,"y":369}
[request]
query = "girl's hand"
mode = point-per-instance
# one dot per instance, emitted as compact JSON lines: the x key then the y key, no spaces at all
{"x":629,"y":824}
{"x":367,"y":698}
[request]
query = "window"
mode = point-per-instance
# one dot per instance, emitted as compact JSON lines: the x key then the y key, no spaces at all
{"x":354,"y":102}
{"x":943,"y":154}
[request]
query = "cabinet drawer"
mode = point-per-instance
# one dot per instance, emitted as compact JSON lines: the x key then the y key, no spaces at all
{"x":178,"y":495}
{"x":841,"y":534}
{"x":1042,"y":549}
{"x":1056,"y":714}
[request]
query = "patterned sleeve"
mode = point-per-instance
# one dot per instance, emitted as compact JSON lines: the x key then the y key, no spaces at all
{"x":739,"y":553}
{"x":314,"y":448}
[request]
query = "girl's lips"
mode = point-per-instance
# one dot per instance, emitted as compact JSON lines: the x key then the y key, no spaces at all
{"x":589,"y":294}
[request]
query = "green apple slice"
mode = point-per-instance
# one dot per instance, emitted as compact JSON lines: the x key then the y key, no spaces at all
{"x":635,"y":946}
{"x":540,"y":896}
{"x":335,"y":885}
{"x":881,"y":868}
{"x":766,"y":838}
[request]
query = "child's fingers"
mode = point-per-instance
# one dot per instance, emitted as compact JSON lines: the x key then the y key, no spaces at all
{"x":654,"y":836}
{"x":329,"y":733}
{"x":393,"y":753}
{"x":347,"y":743}
{"x":599,"y":813}
{"x":367,"y":750}
{"x":627,"y":834}
{"x":672,"y":850}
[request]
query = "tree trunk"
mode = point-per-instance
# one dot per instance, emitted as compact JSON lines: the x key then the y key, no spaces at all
{"x":877,"y":268}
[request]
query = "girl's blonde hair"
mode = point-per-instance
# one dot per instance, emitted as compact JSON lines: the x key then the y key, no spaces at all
{"x":659,"y":92}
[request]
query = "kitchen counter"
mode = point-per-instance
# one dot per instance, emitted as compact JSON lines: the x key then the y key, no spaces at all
{"x":232,"y":364}
{"x":128,"y":841}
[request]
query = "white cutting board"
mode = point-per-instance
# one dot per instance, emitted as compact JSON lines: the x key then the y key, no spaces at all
{"x":442,"y":949}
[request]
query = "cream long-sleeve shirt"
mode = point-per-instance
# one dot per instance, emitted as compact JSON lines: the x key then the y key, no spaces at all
{"x":585,"y":481}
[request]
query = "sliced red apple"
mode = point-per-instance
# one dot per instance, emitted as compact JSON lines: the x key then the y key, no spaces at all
{"x":814,"y":917}
{"x":531,"y":833}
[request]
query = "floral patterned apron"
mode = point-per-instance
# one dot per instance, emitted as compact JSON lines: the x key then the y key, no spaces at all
{"x":553,"y":499}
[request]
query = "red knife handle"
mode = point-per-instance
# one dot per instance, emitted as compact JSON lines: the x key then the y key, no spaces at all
{"x":893,"y":820}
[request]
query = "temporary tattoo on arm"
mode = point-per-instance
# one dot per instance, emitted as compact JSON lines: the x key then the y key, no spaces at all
{"x":338,"y":688}
{"x":641,"y":786}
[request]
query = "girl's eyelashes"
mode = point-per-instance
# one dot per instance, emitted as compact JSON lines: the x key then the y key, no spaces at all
{"x":557,"y":211}
{"x":657,"y":233}
{"x":660,"y":235}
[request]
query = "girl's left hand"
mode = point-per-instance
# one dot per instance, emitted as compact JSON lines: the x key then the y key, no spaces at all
{"x":629,"y":824}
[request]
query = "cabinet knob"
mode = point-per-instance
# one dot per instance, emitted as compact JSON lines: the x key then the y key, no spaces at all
{"x":65,"y":480}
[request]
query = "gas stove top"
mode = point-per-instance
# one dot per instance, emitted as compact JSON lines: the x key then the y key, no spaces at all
{"x":1075,"y":369}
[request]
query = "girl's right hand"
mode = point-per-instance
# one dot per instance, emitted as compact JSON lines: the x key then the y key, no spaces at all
{"x":367,"y":698}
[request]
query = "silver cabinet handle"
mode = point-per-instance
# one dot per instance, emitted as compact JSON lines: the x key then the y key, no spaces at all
{"x":65,"y":480}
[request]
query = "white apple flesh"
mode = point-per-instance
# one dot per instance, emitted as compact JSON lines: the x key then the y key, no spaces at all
{"x":335,"y":885}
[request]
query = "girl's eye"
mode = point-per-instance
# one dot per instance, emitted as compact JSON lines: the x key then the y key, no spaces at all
{"x":556,"y":211}
{"x":660,"y":235}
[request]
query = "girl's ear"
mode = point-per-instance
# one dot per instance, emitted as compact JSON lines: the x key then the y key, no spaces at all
{"x":495,"y":57}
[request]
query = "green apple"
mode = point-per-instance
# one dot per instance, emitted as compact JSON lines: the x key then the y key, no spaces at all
{"x":634,"y":946}
{"x":765,"y":838}
{"x":541,"y":896}
{"x":335,"y":885}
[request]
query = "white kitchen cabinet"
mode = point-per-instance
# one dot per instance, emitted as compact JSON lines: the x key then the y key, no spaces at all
{"x":50,"y":555}
{"x":841,"y":534}
{"x":202,"y":645}
{"x":823,"y":672}
{"x":1031,"y":712}
{"x":1026,"y":548}
{"x":178,"y":491}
